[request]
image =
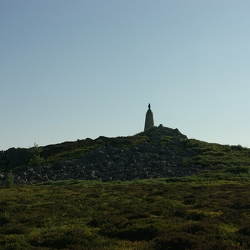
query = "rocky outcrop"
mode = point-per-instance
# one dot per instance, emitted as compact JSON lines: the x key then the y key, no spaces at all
{"x":158,"y":156}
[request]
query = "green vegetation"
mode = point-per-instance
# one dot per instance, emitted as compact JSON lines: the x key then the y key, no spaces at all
{"x":35,"y":159}
{"x":216,"y":161}
{"x":220,"y":161}
{"x":208,"y":210}
{"x":187,"y":213}
{"x":9,"y":182}
{"x":80,"y":148}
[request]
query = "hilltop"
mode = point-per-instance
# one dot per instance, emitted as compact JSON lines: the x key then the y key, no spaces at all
{"x":159,"y":152}
{"x":155,"y":190}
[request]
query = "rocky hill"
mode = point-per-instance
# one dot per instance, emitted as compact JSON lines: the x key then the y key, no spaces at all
{"x":158,"y":152}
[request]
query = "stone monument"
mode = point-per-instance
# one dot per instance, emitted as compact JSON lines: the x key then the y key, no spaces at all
{"x":149,"y":121}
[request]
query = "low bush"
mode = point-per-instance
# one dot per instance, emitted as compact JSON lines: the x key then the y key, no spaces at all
{"x":140,"y":215}
{"x":173,"y":241}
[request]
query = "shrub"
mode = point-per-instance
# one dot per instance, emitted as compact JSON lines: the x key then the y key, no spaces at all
{"x":146,"y":233}
{"x":35,"y":159}
{"x":4,"y":219}
{"x":180,"y":241}
{"x":245,"y":231}
{"x":9,"y":181}
{"x":238,"y":170}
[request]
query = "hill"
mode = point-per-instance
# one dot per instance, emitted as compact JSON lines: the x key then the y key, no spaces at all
{"x":156,"y":153}
{"x":201,"y":201}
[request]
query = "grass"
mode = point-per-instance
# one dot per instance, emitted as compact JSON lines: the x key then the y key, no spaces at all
{"x":150,"y":214}
{"x":217,"y":156}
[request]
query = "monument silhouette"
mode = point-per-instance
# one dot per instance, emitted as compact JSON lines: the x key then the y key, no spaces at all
{"x":149,"y":121}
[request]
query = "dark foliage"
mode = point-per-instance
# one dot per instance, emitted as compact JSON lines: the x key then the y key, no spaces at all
{"x":131,"y":215}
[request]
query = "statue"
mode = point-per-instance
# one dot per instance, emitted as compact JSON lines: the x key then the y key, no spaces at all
{"x":149,"y":106}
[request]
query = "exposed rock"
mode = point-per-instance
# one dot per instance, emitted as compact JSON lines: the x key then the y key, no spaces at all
{"x":116,"y":159}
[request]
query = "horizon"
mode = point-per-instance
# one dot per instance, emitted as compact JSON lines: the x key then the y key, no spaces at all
{"x":83,"y":69}
{"x":160,"y":125}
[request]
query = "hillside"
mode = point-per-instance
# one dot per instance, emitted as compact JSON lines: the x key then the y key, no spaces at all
{"x":159,"y":152}
{"x":156,"y":190}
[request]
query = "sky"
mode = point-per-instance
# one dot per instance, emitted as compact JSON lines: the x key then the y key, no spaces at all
{"x":82,"y":69}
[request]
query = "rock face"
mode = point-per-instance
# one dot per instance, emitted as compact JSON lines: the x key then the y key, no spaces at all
{"x":159,"y":154}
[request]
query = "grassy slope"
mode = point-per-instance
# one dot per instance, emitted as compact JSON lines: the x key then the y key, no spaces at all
{"x":152,"y":214}
{"x":221,"y":161}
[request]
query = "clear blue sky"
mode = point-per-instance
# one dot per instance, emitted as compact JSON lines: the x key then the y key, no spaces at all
{"x":76,"y":69}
